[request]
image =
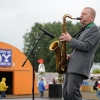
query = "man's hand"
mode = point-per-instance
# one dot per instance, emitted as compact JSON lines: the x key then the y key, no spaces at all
{"x":65,"y":37}
{"x":67,"y":56}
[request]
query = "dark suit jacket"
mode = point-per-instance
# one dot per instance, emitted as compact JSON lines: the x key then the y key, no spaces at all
{"x":81,"y":59}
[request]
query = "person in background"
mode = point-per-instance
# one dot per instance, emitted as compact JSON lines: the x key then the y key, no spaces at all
{"x":98,"y":89}
{"x":84,"y":46}
{"x":54,"y":81}
{"x":3,"y":87}
{"x":0,"y":89}
{"x":95,"y":85}
{"x":41,"y":87}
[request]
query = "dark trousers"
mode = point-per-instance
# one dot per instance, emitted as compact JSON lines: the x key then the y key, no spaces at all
{"x":3,"y":95}
{"x":42,"y":93}
{"x":71,"y":86}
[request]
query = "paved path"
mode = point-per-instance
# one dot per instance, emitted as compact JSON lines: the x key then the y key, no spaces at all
{"x":85,"y":95}
{"x":36,"y":99}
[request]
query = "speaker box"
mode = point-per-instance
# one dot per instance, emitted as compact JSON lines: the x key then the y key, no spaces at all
{"x":55,"y":90}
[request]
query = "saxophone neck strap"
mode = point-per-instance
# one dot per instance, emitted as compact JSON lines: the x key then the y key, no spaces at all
{"x":87,"y":26}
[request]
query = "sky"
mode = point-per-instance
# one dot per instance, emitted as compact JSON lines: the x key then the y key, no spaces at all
{"x":18,"y":16}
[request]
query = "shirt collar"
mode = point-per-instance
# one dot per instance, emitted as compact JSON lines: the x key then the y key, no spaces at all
{"x":89,"y":25}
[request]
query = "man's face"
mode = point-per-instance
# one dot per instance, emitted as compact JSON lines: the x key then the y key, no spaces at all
{"x":86,"y":17}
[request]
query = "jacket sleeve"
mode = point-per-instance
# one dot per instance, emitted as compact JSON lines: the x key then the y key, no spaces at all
{"x":86,"y":44}
{"x":0,"y":86}
{"x":4,"y":86}
{"x":43,"y":86}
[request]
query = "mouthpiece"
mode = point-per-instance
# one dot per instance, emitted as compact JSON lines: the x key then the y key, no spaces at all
{"x":78,"y":18}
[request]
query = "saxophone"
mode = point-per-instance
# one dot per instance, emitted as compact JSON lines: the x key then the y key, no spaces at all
{"x":61,"y":61}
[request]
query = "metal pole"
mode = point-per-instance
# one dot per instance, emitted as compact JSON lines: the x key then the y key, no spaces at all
{"x":33,"y":78}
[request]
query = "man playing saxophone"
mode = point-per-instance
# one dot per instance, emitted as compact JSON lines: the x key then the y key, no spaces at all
{"x":81,"y":59}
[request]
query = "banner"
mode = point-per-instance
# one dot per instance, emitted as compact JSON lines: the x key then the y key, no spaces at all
{"x":5,"y":57}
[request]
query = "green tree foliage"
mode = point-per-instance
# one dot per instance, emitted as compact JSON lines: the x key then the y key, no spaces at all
{"x":42,"y":49}
{"x":97,"y":55}
{"x":96,"y":71}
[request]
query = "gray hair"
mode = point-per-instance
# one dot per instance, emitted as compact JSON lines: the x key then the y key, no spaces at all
{"x":92,"y":11}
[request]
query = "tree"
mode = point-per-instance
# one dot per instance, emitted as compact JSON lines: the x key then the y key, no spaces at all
{"x":97,"y":55}
{"x":96,"y":71}
{"x":42,"y":49}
